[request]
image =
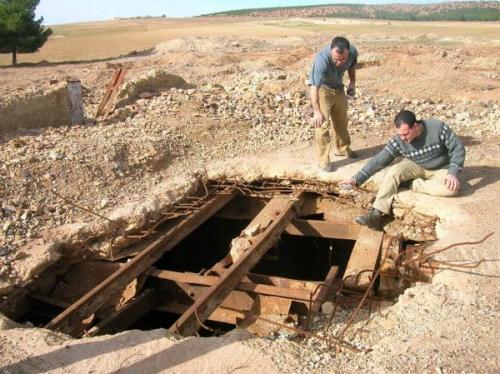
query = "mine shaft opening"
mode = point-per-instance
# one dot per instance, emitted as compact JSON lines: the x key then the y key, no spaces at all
{"x":227,"y":258}
{"x":296,"y":257}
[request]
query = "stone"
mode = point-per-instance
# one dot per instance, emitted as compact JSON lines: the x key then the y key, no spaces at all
{"x":251,"y":231}
{"x":145,"y":95}
{"x":238,"y":247}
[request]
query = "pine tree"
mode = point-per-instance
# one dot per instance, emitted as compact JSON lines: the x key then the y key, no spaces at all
{"x":20,"y":32}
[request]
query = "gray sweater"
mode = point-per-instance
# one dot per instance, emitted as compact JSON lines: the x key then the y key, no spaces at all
{"x":435,"y":148}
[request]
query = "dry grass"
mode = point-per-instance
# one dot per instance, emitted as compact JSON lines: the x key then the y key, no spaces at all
{"x":101,"y":40}
{"x":438,"y":31}
{"x":108,"y":39}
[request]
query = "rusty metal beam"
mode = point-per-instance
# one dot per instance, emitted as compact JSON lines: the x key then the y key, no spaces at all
{"x":363,"y":260}
{"x":294,"y":284}
{"x":272,"y":220}
{"x":246,"y":208}
{"x":326,"y":206}
{"x":171,"y":301}
{"x":242,"y":208}
{"x":106,"y":106}
{"x":261,"y":289}
{"x":109,"y":90}
{"x":323,"y":229}
{"x":69,"y":321}
{"x":179,"y":297}
{"x":221,"y":314}
{"x":323,"y":292}
{"x":126,"y":316}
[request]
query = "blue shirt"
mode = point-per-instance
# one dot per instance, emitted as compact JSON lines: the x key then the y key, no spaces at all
{"x":325,"y":73}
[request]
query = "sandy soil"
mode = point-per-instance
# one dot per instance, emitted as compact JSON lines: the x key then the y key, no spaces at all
{"x":247,"y":116}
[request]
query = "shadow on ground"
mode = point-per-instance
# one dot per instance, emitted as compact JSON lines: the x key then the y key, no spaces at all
{"x":45,"y":63}
{"x":481,"y":176}
{"x":172,"y":356}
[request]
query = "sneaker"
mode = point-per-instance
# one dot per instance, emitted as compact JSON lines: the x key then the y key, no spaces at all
{"x":374,"y":219}
{"x":328,"y":168}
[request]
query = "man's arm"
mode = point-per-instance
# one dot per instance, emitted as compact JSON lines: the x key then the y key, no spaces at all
{"x":351,"y":72}
{"x":456,"y":151}
{"x":318,"y":70}
{"x":375,"y":164}
{"x":318,"y":117}
{"x":351,"y":90}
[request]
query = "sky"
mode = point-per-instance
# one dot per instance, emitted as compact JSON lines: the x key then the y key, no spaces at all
{"x":71,"y":11}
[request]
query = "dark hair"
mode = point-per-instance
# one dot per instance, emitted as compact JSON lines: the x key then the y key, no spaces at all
{"x":405,"y":116}
{"x":340,"y":43}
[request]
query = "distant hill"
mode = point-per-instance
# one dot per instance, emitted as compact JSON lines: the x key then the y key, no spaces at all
{"x":446,"y":11}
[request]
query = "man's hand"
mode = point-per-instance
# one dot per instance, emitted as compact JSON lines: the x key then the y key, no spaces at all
{"x":318,"y":118}
{"x":351,"y":90}
{"x":452,"y":182}
{"x":347,"y":183}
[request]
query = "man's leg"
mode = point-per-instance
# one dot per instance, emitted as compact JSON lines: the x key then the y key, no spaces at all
{"x":322,"y":134}
{"x":339,"y":120}
{"x":401,"y":172}
{"x":433,"y":183}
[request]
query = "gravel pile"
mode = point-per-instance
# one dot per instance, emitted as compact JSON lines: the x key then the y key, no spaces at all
{"x":97,"y":164}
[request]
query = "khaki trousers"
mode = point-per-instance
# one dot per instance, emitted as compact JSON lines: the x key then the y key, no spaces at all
{"x":430,"y":182}
{"x":333,"y":105}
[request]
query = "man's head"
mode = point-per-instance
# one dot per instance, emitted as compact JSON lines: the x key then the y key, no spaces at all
{"x":339,"y":50}
{"x":407,"y":126}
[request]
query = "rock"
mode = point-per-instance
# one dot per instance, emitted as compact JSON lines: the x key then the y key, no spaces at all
{"x":145,"y":95}
{"x":251,"y":231}
{"x":56,"y":155}
{"x":104,"y":203}
{"x":327,"y":308}
{"x":238,"y":247}
{"x":18,"y":143}
{"x":38,"y":256}
{"x":6,"y":226}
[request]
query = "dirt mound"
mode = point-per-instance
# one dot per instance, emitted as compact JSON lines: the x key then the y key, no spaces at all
{"x":144,"y":86}
{"x":45,"y":109}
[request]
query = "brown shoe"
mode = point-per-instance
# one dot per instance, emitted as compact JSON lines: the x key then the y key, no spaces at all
{"x":350,"y":154}
{"x":375,"y":219}
{"x":328,"y":168}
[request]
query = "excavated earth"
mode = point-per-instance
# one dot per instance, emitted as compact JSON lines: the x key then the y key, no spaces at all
{"x":242,"y":111}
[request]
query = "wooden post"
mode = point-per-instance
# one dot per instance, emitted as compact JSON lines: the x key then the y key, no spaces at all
{"x":76,"y":114}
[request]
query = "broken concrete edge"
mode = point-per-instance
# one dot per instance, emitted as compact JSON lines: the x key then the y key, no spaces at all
{"x":76,"y":241}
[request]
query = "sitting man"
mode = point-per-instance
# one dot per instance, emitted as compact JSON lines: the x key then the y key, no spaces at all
{"x":433,"y":154}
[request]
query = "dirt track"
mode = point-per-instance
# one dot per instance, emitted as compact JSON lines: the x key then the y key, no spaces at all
{"x":248,"y":105}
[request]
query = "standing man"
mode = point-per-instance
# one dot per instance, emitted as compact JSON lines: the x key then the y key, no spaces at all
{"x":433,"y":154}
{"x":328,"y":98}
